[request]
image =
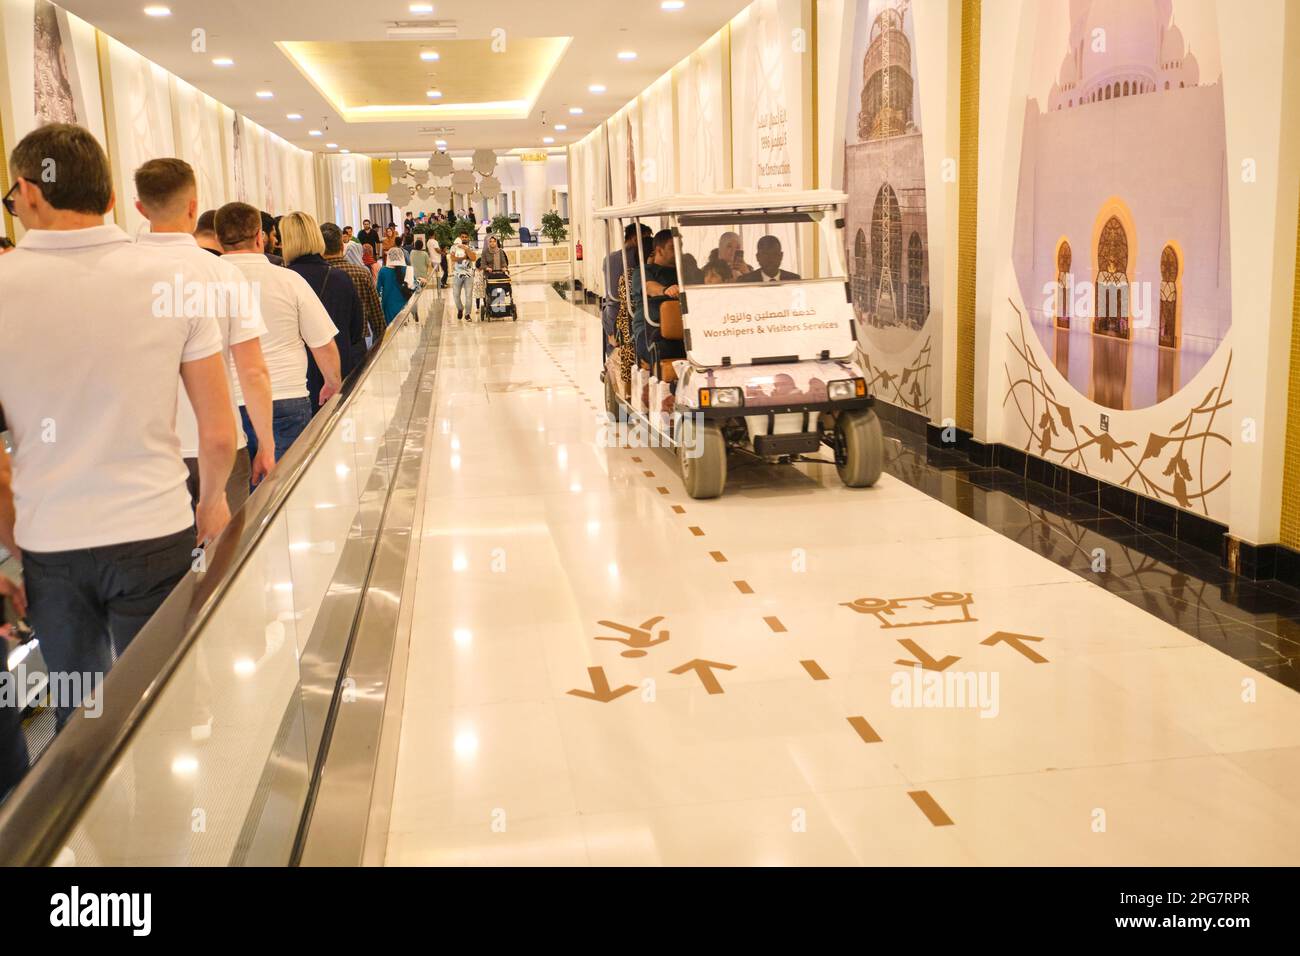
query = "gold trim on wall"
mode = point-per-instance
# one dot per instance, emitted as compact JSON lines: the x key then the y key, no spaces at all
{"x":110,"y":123}
{"x":5,"y":184}
{"x":1289,"y":534}
{"x":967,"y":207}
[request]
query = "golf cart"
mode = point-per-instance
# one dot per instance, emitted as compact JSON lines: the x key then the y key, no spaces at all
{"x":749,"y":347}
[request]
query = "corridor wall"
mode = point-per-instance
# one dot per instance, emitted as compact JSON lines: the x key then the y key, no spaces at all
{"x":57,"y":67}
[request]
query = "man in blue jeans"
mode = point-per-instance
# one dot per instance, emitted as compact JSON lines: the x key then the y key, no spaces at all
{"x":294,"y":318}
{"x":462,"y":283}
{"x":95,"y":349}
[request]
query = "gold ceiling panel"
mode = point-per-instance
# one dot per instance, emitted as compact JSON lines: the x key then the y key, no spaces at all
{"x":384,"y":80}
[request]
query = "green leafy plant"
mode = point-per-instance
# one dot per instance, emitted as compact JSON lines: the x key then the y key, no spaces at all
{"x":501,"y":228}
{"x":442,"y":233}
{"x":553,"y":227}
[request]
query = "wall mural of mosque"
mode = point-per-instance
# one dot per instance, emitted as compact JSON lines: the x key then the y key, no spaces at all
{"x":884,"y":176}
{"x":1121,"y":243}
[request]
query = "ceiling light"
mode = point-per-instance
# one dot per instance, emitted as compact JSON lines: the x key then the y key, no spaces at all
{"x":428,"y":55}
{"x":560,"y":127}
{"x":293,"y":116}
{"x":548,"y":139}
{"x":157,"y":11}
{"x":627,"y":55}
{"x":575,"y":110}
{"x":223,"y":61}
{"x":264,"y":94}
{"x":596,"y":88}
{"x":345,"y":150}
{"x":434,"y":94}
{"x":421,"y":8}
{"x":313,"y":132}
{"x":672,"y":4}
{"x":331,"y":145}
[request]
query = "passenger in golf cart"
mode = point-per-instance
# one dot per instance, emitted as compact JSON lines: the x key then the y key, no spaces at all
{"x":732,"y":358}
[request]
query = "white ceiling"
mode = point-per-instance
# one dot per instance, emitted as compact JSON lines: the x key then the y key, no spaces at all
{"x":247,"y":31}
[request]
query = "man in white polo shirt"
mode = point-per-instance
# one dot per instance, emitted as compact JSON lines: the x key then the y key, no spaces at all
{"x":167,"y":195}
{"x":103,"y":520}
{"x":293,"y":315}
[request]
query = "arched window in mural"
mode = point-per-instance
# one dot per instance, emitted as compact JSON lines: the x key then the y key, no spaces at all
{"x":1126,"y":87}
{"x":916,"y":291}
{"x":1064,"y":257}
{"x":886,"y":257}
{"x":1169,"y":298}
{"x":858,"y":283}
{"x":1111,"y":315}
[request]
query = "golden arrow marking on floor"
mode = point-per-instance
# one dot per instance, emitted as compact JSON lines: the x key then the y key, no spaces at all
{"x":704,"y":669}
{"x":1016,"y":641}
{"x":600,"y":689}
{"x":923,"y":657}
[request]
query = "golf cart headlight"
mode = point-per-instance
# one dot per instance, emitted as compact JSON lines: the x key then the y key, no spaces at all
{"x":720,"y":398}
{"x":847,"y":388}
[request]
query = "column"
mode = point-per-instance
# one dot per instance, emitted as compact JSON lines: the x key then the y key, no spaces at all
{"x":534,"y":204}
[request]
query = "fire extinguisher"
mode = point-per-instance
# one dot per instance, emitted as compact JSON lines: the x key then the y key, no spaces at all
{"x":579,"y":250}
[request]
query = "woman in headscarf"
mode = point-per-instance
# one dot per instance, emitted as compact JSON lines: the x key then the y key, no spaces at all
{"x":355,"y":254}
{"x":392,"y":287}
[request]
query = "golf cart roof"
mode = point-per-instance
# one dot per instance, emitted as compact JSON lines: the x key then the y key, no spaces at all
{"x":735,"y":201}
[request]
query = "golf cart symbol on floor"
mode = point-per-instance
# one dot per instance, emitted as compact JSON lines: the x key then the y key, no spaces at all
{"x":941,"y":607}
{"x":639,"y":639}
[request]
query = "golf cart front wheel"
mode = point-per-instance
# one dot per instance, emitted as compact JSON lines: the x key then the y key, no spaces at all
{"x":703,"y":455}
{"x":860,"y":455}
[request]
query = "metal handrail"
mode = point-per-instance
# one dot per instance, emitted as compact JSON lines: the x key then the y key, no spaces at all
{"x":43,"y":808}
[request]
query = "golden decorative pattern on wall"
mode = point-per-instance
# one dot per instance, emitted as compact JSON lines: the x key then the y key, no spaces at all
{"x":967,"y":204}
{"x":910,"y":388}
{"x":1290,"y":531}
{"x":1167,"y":465}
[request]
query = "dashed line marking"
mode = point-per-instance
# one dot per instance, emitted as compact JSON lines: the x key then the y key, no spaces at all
{"x":930,"y":807}
{"x":718,"y":556}
{"x":698,"y":532}
{"x":815,"y":670}
{"x":775,"y":624}
{"x":743,"y":587}
{"x":678,"y":509}
{"x":865,"y":730}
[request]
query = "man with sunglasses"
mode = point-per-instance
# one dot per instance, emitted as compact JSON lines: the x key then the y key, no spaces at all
{"x":93,"y":356}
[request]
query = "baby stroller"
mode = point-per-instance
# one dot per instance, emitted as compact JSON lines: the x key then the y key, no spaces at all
{"x":498,"y":297}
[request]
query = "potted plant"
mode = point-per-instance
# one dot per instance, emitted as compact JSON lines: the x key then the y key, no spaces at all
{"x":442,"y":233}
{"x":502,"y":228}
{"x":553,"y":227}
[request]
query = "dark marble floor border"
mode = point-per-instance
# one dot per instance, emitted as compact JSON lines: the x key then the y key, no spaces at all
{"x":1175,"y":579}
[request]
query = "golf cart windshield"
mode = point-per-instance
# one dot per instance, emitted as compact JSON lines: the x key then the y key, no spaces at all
{"x":758,"y":246}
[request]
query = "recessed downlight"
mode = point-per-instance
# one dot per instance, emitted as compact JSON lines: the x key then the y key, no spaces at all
{"x":596,"y":88}
{"x":331,"y":145}
{"x":264,"y":94}
{"x":560,"y":127}
{"x":548,"y":139}
{"x":421,"y":8}
{"x":313,"y":132}
{"x":575,"y":110}
{"x":672,"y":4}
{"x":433,"y":94}
{"x":627,"y":54}
{"x":223,"y":61}
{"x":157,"y":10}
{"x":345,"y":150}
{"x":293,"y":116}
{"x":428,"y":56}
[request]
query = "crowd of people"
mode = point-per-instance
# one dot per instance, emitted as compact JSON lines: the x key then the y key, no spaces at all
{"x":149,"y":385}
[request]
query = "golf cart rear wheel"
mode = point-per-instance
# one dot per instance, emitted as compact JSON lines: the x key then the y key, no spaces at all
{"x":860,"y":456}
{"x":703,"y":457}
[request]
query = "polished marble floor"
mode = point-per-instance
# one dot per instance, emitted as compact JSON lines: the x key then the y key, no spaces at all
{"x":604,"y":671}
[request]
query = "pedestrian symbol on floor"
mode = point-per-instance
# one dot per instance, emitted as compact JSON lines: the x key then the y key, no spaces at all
{"x":639,"y":638}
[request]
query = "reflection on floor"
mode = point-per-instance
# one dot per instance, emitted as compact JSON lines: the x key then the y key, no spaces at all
{"x":604,"y":671}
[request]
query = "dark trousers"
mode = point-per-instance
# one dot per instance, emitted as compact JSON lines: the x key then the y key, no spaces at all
{"x":13,"y":742}
{"x":289,"y":416}
{"x":86,"y":605}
